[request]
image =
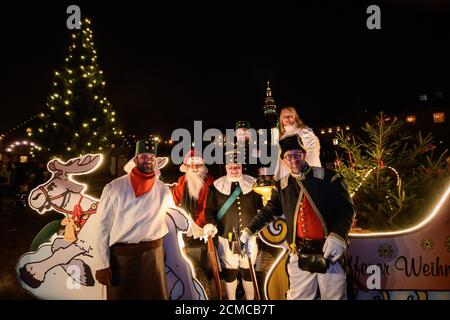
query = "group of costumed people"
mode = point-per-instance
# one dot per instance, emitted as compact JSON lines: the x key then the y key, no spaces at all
{"x":315,"y":202}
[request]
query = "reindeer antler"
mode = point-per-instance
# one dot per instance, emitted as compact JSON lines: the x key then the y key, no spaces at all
{"x":161,"y":162}
{"x":78,"y":165}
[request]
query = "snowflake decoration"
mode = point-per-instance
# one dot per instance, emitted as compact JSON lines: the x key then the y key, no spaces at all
{"x":447,"y":243}
{"x":427,"y":244}
{"x":385,"y":250}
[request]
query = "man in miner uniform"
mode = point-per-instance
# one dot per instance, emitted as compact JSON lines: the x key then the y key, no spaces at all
{"x":319,"y":213}
{"x":231,"y":204}
{"x":131,"y":227}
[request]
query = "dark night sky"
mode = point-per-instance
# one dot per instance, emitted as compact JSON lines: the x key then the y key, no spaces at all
{"x":168,"y":66}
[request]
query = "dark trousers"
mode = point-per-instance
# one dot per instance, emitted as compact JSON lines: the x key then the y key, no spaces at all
{"x":138,"y":272}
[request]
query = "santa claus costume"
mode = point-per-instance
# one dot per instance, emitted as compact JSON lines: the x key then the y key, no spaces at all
{"x":192,"y":187}
{"x":190,"y":194}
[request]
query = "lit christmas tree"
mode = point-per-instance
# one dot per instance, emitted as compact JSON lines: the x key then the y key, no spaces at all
{"x":79,"y":119}
{"x":394,"y":176}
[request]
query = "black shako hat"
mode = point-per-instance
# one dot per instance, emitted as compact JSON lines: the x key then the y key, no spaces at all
{"x":291,"y":142}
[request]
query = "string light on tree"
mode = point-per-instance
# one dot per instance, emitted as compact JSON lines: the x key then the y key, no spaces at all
{"x":388,"y":173}
{"x":77,"y":102}
{"x":17,"y":147}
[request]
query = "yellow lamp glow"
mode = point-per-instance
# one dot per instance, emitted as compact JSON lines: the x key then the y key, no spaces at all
{"x":264,"y":191}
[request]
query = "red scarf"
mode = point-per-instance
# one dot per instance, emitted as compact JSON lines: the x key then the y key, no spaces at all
{"x":141,"y":182}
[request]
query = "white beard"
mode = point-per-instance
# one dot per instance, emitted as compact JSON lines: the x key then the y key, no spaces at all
{"x":290,"y":129}
{"x":195,"y":181}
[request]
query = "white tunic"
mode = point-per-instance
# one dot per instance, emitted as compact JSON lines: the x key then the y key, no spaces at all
{"x":123,"y":218}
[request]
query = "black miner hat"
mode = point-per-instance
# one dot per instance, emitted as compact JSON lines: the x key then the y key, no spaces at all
{"x":146,"y":146}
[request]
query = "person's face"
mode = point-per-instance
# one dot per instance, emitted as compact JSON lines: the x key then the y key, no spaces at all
{"x":194,"y":167}
{"x":145,"y":162}
{"x":242,"y":134}
{"x":234,"y":170}
{"x":295,"y":160}
{"x":287,"y":118}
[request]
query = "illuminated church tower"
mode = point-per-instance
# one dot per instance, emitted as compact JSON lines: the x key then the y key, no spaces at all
{"x":270,"y":109}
